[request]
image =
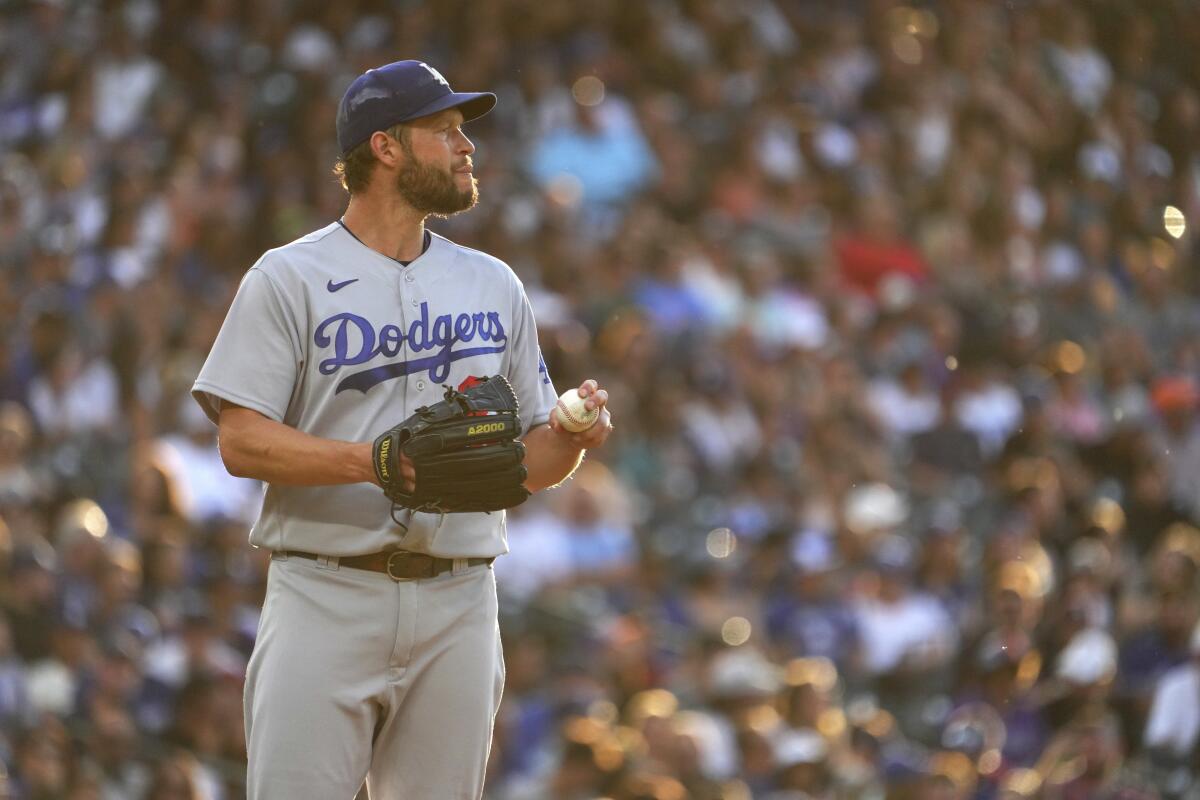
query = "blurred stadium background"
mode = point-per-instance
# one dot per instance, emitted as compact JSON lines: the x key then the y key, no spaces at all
{"x":897,"y":305}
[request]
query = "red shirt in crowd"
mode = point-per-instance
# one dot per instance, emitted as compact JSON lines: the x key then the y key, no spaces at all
{"x":865,"y":263}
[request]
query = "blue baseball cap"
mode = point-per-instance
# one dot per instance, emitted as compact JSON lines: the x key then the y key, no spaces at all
{"x":399,"y":92}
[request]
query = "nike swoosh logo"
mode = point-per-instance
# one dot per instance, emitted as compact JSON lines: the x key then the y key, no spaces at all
{"x":333,"y":287}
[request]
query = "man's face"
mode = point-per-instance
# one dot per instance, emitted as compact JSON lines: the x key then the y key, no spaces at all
{"x":436,"y":176}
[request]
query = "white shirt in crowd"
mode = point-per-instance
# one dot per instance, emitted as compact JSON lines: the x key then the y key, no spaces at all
{"x":913,"y":626}
{"x":84,"y":400}
{"x":1174,"y":721}
{"x":991,"y":412}
{"x":902,"y":412}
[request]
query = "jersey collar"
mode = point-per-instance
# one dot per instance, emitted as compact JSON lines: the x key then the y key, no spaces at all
{"x":428,"y":239}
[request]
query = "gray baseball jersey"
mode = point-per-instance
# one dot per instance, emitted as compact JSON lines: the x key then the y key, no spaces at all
{"x":335,"y":339}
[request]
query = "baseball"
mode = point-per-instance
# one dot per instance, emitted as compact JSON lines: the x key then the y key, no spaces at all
{"x":572,"y":414}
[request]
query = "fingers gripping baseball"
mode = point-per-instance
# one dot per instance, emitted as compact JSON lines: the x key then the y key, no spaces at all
{"x":582,"y":415}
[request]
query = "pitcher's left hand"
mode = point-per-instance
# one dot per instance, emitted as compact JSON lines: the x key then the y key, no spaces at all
{"x":597,"y":434}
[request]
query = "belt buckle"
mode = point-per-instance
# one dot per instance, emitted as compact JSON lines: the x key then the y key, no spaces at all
{"x":395,"y":557}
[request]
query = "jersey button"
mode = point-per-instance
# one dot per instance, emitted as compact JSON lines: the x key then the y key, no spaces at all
{"x":408,"y":277}
{"x":416,"y":302}
{"x":420,"y":386}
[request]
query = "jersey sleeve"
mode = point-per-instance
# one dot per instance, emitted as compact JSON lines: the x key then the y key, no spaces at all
{"x":527,"y":369}
{"x":255,"y":360}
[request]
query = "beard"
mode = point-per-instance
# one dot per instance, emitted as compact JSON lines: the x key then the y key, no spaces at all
{"x":433,"y":191}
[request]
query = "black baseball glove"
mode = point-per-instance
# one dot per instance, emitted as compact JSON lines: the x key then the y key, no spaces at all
{"x":464,"y":450}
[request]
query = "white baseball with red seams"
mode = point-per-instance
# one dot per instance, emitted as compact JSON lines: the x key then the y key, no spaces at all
{"x":572,"y":414}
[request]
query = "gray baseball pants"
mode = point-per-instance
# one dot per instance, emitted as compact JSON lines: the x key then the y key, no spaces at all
{"x":355,"y":676}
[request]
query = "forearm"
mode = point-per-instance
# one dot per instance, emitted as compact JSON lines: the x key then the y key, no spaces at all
{"x":253,"y":446}
{"x":549,"y":457}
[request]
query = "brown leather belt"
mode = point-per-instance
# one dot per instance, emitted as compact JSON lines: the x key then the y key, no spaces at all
{"x":399,"y":565}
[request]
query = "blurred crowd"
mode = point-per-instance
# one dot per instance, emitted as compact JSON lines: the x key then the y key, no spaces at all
{"x":897,"y":306}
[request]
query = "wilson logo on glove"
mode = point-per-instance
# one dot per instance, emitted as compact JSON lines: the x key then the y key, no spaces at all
{"x":461,"y":464}
{"x":381,"y":461}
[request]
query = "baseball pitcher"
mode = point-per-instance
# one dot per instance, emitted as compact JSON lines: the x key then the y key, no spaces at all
{"x":387,"y":385}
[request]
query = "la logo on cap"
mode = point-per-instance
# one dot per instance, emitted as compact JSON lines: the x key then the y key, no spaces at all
{"x":437,"y":76}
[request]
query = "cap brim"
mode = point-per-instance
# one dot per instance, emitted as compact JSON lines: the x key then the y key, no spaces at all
{"x":472,"y":104}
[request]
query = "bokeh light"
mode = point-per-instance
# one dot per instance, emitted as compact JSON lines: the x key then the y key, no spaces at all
{"x":736,"y":631}
{"x":588,"y":91}
{"x":1174,"y":221}
{"x":720,"y":543}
